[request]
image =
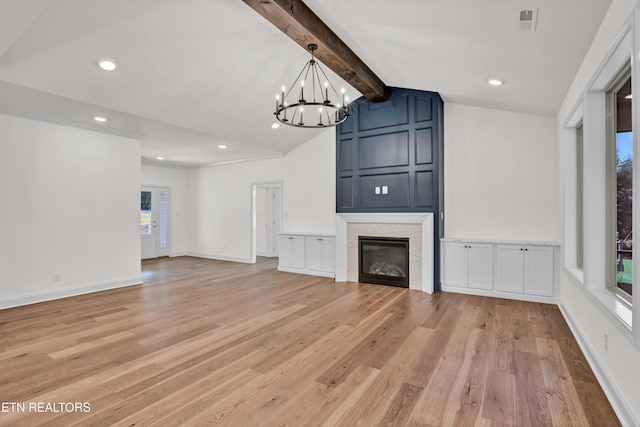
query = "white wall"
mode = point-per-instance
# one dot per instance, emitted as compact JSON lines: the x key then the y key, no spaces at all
{"x":219,"y":198}
{"x":617,"y":367}
{"x":501,"y":174}
{"x":309,"y":191}
{"x":176,"y":179}
{"x":69,"y":200}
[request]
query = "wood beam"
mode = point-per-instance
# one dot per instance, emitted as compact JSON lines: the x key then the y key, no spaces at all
{"x":298,"y":22}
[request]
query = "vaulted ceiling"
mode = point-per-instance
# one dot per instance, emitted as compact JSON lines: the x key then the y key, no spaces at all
{"x":193,"y":74}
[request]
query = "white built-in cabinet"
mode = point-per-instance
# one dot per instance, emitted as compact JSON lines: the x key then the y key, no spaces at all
{"x":320,"y":254}
{"x":505,"y":269}
{"x":525,"y":269}
{"x":312,"y":254}
{"x":469,"y":265}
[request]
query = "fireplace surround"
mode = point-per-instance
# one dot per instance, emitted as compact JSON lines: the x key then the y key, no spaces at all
{"x":418,"y":226}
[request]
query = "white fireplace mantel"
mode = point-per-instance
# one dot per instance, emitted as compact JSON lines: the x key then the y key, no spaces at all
{"x":423,"y":219}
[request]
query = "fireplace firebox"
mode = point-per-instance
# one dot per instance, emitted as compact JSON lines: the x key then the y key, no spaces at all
{"x":383,"y":261}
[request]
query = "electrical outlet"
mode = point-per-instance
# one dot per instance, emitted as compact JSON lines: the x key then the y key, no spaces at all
{"x":57,"y":277}
{"x":606,"y":342}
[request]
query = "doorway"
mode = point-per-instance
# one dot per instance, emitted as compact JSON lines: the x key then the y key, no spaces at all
{"x":154,"y":222}
{"x":266,"y":218}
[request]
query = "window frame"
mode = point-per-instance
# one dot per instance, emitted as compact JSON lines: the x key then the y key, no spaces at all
{"x":591,"y":112}
{"x":579,"y":203}
{"x":612,"y":216}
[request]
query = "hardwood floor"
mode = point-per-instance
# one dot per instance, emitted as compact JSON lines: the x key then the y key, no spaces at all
{"x":207,"y":342}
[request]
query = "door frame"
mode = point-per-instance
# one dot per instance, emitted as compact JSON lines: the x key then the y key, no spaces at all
{"x":254,"y":187}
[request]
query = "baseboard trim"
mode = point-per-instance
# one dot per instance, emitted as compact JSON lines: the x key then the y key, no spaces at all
{"x":620,"y":406}
{"x":219,"y":257}
{"x":177,"y":254}
{"x":498,"y":294}
{"x":68,"y":292}
{"x":307,"y":272}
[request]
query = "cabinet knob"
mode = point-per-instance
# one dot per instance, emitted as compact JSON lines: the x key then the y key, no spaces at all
{"x":320,"y":240}
{"x":290,"y":238}
{"x":521,"y":249}
{"x":526,"y":249}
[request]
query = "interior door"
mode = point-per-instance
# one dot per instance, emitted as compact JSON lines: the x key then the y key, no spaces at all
{"x":148,"y":223}
{"x":154,"y":222}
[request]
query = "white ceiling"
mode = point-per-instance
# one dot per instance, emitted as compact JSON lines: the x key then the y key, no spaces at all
{"x":196,"y":73}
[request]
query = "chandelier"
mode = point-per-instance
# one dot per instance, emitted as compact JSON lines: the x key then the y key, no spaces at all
{"x":312,"y":108}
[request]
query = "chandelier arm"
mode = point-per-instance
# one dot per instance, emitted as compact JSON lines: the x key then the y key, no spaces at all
{"x":313,"y":81}
{"x":306,"y":75}
{"x":330,"y":84}
{"x":295,"y":81}
{"x":319,"y":85}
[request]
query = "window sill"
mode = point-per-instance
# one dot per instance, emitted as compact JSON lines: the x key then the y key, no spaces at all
{"x":576,"y":274}
{"x":618,"y":310}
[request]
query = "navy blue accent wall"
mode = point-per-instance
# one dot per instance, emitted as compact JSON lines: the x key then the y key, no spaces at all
{"x":390,"y":158}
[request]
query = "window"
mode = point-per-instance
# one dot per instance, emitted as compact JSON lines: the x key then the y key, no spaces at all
{"x":622,"y":133}
{"x":598,"y":156}
{"x":145,"y":212}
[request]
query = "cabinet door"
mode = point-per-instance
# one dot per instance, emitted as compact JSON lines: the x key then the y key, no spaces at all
{"x":328,"y":255}
{"x":314,"y":253}
{"x":297,"y":252}
{"x":291,"y":251}
{"x":284,"y":249}
{"x":480,"y":265}
{"x":510,"y":275}
{"x":455,"y":264}
{"x":538,"y":271}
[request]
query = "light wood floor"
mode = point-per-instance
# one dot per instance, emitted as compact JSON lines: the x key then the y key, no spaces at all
{"x":210,"y":342}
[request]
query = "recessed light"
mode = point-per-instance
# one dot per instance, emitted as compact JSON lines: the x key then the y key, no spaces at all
{"x":159,"y":158}
{"x":495,"y":82}
{"x":107,"y":64}
{"x":222,"y":146}
{"x":275,"y":125}
{"x":100,"y":119}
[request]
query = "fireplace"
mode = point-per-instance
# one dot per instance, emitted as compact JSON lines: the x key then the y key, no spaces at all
{"x":383,"y":260}
{"x":417,"y":226}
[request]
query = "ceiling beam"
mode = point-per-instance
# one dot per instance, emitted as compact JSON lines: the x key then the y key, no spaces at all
{"x":298,"y":22}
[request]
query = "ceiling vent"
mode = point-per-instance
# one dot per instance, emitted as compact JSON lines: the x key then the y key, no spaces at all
{"x":528,"y":19}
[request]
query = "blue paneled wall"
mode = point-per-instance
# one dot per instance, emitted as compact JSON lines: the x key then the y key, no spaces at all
{"x":390,"y":158}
